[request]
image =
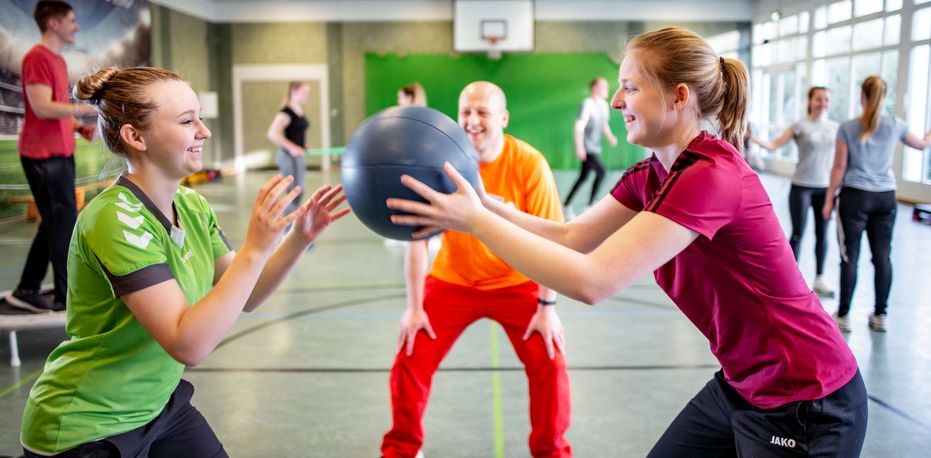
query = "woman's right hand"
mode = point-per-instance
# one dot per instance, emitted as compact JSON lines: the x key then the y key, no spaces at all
{"x":295,"y":151}
{"x":411,"y":323}
{"x":266,"y":224}
{"x":457,"y":211}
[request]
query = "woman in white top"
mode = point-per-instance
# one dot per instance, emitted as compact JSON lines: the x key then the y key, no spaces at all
{"x":814,"y":136}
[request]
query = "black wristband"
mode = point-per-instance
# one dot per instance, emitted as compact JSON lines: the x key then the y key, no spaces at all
{"x":545,"y":302}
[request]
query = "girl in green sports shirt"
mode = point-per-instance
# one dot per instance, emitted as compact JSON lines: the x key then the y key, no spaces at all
{"x":153,"y":283}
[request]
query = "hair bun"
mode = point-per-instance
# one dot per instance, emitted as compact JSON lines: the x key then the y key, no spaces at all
{"x":91,"y":87}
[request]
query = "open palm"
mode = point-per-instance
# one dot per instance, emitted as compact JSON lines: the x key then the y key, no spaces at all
{"x":320,"y":212}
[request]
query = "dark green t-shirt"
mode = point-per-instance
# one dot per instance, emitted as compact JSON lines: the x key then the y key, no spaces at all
{"x":111,"y":376}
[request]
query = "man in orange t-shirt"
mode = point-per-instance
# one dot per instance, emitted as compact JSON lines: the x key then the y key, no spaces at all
{"x":468,"y":282}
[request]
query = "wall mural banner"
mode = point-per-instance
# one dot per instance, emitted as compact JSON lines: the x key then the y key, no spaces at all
{"x":113,"y":32}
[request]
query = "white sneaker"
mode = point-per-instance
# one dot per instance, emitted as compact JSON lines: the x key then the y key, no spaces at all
{"x":419,"y":454}
{"x":843,"y":323}
{"x":568,"y":214}
{"x":878,"y":323}
{"x":822,"y":288}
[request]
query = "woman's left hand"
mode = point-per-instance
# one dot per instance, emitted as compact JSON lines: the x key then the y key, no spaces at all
{"x":458,"y":211}
{"x":320,"y":212}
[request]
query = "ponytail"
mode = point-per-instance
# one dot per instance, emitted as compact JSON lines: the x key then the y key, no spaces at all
{"x":874,"y":91}
{"x":732,"y":116}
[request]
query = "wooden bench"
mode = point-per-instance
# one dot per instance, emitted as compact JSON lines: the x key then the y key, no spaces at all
{"x":32,"y":212}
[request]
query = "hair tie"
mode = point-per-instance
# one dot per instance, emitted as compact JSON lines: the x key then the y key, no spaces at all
{"x":721,"y":59}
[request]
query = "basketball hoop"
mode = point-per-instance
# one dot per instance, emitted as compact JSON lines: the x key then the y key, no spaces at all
{"x":492,"y":32}
{"x":493,"y":51}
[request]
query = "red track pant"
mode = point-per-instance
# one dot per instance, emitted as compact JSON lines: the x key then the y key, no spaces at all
{"x":451,"y":308}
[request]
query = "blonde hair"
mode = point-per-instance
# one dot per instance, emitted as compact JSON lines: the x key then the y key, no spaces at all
{"x":874,"y":91}
{"x":721,"y":86}
{"x":120,"y":98}
{"x":415,"y":92}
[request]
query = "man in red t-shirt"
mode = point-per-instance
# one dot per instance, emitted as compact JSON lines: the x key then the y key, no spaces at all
{"x":46,"y":148}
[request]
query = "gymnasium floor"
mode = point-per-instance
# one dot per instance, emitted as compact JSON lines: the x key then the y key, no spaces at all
{"x":306,"y":374}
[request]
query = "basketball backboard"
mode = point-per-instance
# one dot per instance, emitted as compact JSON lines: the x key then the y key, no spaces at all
{"x":493,"y":25}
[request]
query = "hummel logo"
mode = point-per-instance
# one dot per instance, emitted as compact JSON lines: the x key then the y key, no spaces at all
{"x":141,"y":242}
{"x":133,"y":223}
{"x":127,"y":205}
{"x":782,"y":442}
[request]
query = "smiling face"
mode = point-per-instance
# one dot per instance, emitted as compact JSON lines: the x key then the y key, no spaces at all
{"x":819,"y":102}
{"x":483,"y":115}
{"x":175,"y":135}
{"x":643,"y":104}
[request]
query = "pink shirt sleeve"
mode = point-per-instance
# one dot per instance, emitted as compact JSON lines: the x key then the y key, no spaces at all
{"x":630,"y":189}
{"x":701,"y":194}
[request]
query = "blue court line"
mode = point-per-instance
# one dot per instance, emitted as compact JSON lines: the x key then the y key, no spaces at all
{"x":491,"y":368}
{"x":303,"y":313}
{"x":899,"y":412}
{"x":394,"y":314}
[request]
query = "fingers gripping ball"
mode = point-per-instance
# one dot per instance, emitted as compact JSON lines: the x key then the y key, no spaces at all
{"x":406,"y":140}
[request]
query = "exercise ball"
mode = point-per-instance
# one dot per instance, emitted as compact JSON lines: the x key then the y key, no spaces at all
{"x":403,"y":140}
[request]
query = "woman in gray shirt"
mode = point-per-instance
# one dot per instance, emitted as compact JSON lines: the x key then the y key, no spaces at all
{"x":863,"y":173}
{"x":814,"y":136}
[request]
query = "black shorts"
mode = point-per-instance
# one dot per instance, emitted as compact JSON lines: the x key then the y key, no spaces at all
{"x":179,"y":430}
{"x":719,"y":422}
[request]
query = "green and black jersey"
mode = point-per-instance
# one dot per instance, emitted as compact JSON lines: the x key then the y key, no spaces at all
{"x":111,"y":376}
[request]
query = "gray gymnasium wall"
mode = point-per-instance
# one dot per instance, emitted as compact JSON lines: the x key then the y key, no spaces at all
{"x":205,"y":53}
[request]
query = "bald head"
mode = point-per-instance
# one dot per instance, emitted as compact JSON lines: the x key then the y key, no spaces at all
{"x":483,"y":114}
{"x":486,"y":91}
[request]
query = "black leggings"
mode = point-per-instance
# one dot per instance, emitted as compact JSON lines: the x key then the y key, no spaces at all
{"x":592,"y":163}
{"x":800,"y":199}
{"x":873,"y":212}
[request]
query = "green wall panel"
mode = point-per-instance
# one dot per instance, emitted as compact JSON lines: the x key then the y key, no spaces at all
{"x":543,"y":91}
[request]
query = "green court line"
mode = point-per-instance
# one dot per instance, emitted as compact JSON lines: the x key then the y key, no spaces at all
{"x":32,"y":376}
{"x":496,"y":394}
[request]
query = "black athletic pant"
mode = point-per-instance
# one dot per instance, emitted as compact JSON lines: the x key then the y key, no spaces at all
{"x":178,"y":431}
{"x":801,"y":198}
{"x":591,"y":163}
{"x":873,"y":212}
{"x":52,"y":184}
{"x":718,"y":422}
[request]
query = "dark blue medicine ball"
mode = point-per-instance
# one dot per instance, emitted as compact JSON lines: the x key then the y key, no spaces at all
{"x":404,"y":140}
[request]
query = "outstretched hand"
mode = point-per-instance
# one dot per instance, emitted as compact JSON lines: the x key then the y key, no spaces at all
{"x":266,"y":224}
{"x":458,"y":211}
{"x":319,"y":212}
